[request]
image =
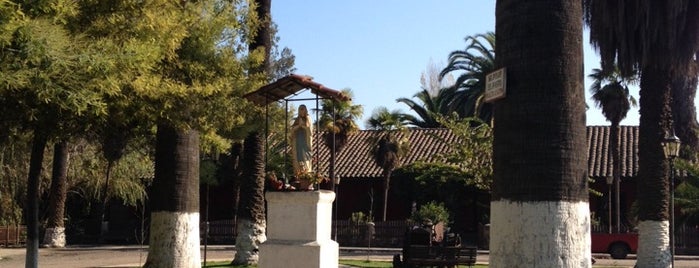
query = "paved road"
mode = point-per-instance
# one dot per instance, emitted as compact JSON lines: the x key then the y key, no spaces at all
{"x":132,"y":256}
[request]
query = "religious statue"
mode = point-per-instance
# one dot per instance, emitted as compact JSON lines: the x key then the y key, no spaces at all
{"x":302,"y":142}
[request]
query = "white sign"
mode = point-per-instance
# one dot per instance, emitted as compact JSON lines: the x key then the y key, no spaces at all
{"x":495,"y":85}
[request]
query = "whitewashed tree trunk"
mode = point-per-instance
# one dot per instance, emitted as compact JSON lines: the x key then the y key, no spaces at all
{"x":653,"y":244}
{"x":553,"y":234}
{"x":251,"y":235}
{"x":55,"y":237}
{"x":174,"y":198}
{"x":168,"y":229}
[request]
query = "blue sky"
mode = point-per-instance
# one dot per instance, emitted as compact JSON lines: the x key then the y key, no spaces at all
{"x":379,"y":49}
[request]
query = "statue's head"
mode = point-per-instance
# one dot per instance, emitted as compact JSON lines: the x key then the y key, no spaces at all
{"x":303,"y":111}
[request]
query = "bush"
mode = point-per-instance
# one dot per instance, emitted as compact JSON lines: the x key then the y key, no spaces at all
{"x":432,"y":211}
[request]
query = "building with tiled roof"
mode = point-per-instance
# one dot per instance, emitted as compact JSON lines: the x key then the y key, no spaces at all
{"x":355,"y":160}
{"x":360,"y":175}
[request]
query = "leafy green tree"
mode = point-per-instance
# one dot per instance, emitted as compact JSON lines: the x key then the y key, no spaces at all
{"x":432,"y":212}
{"x":473,"y":152}
{"x":47,"y":83}
{"x":388,"y":146}
{"x":687,"y":193}
{"x":659,"y":40}
{"x":472,"y":65}
{"x":539,"y":138}
{"x":610,"y":92}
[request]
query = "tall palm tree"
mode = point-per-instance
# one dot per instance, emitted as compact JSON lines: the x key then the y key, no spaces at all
{"x":338,"y":121}
{"x":684,"y":112}
{"x":611,"y":94}
{"x":659,"y":38}
{"x":54,"y":235}
{"x":428,"y":108}
{"x":539,"y":206}
{"x":174,"y":199}
{"x":388,"y":146}
{"x":251,"y":221}
{"x":473,"y":64}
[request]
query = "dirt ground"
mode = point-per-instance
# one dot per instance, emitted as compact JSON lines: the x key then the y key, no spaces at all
{"x":97,"y":256}
{"x":134,"y":256}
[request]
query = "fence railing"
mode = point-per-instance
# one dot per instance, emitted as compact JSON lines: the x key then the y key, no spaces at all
{"x":220,"y":231}
{"x":687,"y":236}
{"x":348,"y":234}
{"x":13,"y":235}
{"x":385,"y":234}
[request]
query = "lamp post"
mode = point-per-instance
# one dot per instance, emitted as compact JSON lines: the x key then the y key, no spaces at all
{"x":671,"y":149}
{"x":610,"y":179}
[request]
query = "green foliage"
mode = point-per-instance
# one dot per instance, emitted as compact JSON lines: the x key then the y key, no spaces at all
{"x":435,"y":182}
{"x":687,"y":192}
{"x":432,"y":211}
{"x":472,"y":152}
{"x":359,"y":218}
{"x":610,"y":92}
{"x":472,"y":64}
{"x":130,"y":175}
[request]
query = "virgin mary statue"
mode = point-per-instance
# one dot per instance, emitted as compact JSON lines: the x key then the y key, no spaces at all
{"x":302,"y":142}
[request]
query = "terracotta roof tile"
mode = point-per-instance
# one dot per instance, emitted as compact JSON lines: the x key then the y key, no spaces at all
{"x":599,"y":163}
{"x":355,"y":160}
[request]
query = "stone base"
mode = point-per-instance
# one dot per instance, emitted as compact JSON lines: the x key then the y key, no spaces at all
{"x":287,"y":254}
{"x":298,"y":231}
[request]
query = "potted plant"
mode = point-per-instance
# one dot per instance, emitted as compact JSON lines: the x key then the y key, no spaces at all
{"x":308,"y":179}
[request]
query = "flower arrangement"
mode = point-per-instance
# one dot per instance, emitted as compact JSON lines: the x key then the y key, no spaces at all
{"x":311,"y":177}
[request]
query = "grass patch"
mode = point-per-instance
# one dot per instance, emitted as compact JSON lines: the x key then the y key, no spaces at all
{"x":383,"y":264}
{"x":367,"y":264}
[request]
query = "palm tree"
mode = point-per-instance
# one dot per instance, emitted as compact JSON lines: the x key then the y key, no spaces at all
{"x":615,"y":101}
{"x":539,"y":206}
{"x":473,"y":63}
{"x":338,"y":121}
{"x":429,"y":107}
{"x":388,"y":146}
{"x":251,"y":221}
{"x":54,"y":235}
{"x":660,"y":39}
{"x":684,"y":112}
{"x":174,"y":199}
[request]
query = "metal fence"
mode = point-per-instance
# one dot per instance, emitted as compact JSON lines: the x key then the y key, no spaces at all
{"x":377,"y":234}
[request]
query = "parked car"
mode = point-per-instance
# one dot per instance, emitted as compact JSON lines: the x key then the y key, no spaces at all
{"x":618,"y":245}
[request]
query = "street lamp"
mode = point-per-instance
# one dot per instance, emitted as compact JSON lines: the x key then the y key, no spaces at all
{"x":671,"y":149}
{"x":610,"y":179}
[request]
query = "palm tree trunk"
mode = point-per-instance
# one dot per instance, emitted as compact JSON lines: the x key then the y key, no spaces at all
{"x":251,"y":213}
{"x":386,"y":184}
{"x":55,"y":235}
{"x":539,"y":208}
{"x":32,"y":207}
{"x":653,"y":246}
{"x":174,"y":228}
{"x":684,"y":114}
{"x":104,"y":220}
{"x":616,"y":170}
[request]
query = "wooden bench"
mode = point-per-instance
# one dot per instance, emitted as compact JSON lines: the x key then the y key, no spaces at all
{"x":426,"y":255}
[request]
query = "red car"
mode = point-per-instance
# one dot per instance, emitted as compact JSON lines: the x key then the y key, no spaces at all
{"x":618,"y":245}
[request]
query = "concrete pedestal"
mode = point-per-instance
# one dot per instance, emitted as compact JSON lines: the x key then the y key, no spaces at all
{"x":298,"y":231}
